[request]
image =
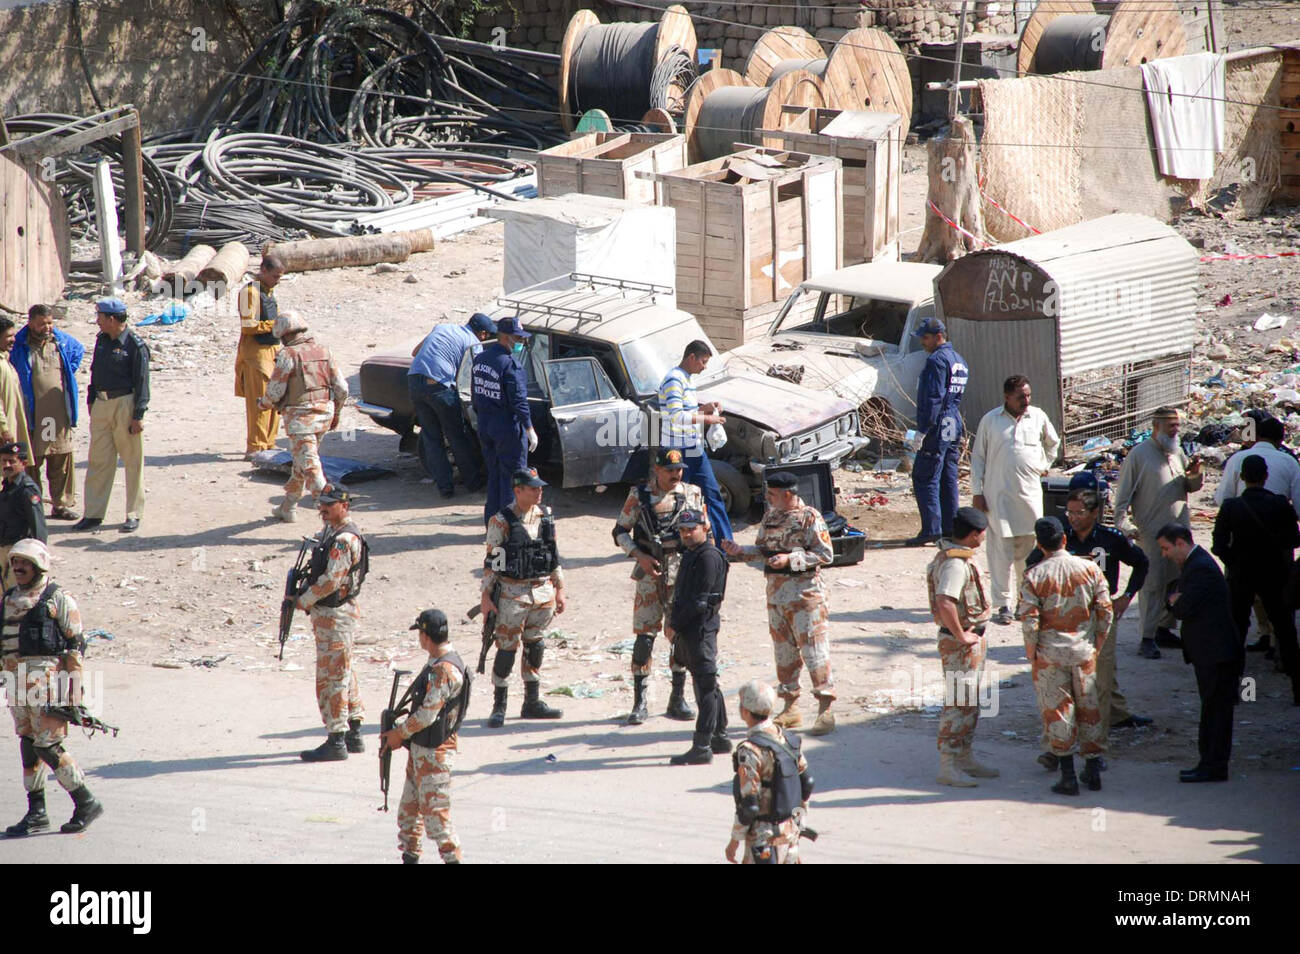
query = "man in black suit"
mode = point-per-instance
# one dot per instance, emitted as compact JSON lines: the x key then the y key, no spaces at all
{"x":1255,"y":535}
{"x":1211,"y":643}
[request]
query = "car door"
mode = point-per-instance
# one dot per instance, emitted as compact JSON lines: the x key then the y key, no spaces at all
{"x":598,"y":431}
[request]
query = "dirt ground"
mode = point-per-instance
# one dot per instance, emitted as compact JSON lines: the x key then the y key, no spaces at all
{"x":198,"y":587}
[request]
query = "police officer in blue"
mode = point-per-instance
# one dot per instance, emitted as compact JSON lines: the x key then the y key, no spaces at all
{"x":499,"y":394}
{"x":938,"y":418}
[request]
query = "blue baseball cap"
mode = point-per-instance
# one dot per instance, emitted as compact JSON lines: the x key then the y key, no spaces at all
{"x":510,"y":326}
{"x":481,"y":323}
{"x":931,"y":326}
{"x":111,"y":306}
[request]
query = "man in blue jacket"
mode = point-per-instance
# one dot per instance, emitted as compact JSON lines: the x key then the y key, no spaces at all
{"x":499,"y":395}
{"x":47,"y":360}
{"x":938,"y":417}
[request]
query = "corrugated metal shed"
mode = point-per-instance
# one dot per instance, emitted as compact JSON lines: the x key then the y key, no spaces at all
{"x":1114,"y":291}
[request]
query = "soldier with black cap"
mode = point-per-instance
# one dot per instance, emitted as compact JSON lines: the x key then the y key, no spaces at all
{"x":960,"y":609}
{"x":339,"y":564}
{"x":21,"y":513}
{"x":694,"y":619}
{"x":646,"y":530}
{"x":792,"y":543}
{"x":524,"y":585}
{"x":1066,"y":614}
{"x":439,"y":698}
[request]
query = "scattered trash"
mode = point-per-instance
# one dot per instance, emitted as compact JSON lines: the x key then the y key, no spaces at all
{"x":287,"y":667}
{"x":1095,"y":444}
{"x":579,"y":691}
{"x":209,"y":662}
{"x":622,"y":646}
{"x":1224,"y":301}
{"x":1218,"y":351}
{"x":1267,"y":322}
{"x":552,"y":758}
{"x":174,"y":312}
{"x":167,"y":664}
{"x":99,"y":634}
{"x":1010,"y":733}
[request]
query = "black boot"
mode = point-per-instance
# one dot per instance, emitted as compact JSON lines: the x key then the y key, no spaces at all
{"x":1048,"y":761}
{"x":720,"y":744}
{"x":409,"y":858}
{"x":1091,"y":774}
{"x":331,"y":750}
{"x":534,"y":707}
{"x":696,"y":755}
{"x":677,"y":707}
{"x":638,"y":713}
{"x":1069,"y":784}
{"x":352,"y":739}
{"x":498,"y":717}
{"x":34,"y":820}
{"x":88,"y":809}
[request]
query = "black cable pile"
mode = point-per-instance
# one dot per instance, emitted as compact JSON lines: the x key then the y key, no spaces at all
{"x":370,"y":75}
{"x":74,"y":173}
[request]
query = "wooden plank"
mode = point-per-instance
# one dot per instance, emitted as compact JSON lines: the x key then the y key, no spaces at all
{"x":133,"y":188}
{"x":38,"y":146}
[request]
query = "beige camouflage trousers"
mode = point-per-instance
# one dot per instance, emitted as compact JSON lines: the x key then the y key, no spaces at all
{"x":307,"y":472}
{"x":524,"y":610}
{"x":649,"y":618}
{"x":426,"y":802}
{"x":31,"y":723}
{"x":337,"y":693}
{"x":785,"y":844}
{"x":963,"y":670}
{"x":1067,"y":697}
{"x":796,"y":618}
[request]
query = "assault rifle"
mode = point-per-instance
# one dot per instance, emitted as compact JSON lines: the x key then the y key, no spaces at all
{"x":644,"y":518}
{"x":295,"y":584}
{"x":489,"y":627}
{"x":387,"y":721}
{"x":78,"y":715}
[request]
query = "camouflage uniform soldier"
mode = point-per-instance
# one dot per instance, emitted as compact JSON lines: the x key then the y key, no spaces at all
{"x":439,"y":698}
{"x":664,"y":499}
{"x":1061,"y":599}
{"x":41,"y":640}
{"x":960,"y":609}
{"x":339,"y":564}
{"x":522,"y":579}
{"x":305,"y":382}
{"x":771,"y":787}
{"x":793,"y":542}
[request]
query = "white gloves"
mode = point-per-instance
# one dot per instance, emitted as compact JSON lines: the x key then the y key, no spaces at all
{"x":532,"y":440}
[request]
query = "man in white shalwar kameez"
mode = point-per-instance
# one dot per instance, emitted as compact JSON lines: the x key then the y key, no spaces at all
{"x":1014,"y":447}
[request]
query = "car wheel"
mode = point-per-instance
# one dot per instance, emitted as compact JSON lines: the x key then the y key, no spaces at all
{"x":736,"y":495}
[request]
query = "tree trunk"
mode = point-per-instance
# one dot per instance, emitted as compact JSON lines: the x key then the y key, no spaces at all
{"x":955,"y":191}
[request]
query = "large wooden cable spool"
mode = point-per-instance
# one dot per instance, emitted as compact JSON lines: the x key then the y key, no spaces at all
{"x":778,"y":45}
{"x":1066,"y":35}
{"x":648,"y":46}
{"x":727,"y":109}
{"x":865,"y":70}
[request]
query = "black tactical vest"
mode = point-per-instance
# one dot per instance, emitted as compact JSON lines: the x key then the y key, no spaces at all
{"x":268,"y":310}
{"x":787,"y":793}
{"x":453,"y":710}
{"x":320,"y":557}
{"x":526,"y":558}
{"x":16,"y":509}
{"x":669,"y":539}
{"x":38,"y":631}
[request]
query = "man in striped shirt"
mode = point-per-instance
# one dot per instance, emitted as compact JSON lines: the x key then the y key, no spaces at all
{"x":681,"y":416}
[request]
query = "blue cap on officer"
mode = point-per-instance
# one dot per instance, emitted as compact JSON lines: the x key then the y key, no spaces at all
{"x":931,"y":326}
{"x":691,"y":518}
{"x":111,"y":306}
{"x":510,"y":326}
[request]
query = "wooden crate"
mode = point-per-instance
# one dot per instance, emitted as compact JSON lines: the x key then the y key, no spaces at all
{"x":1288,"y":121}
{"x":870,"y":149}
{"x":606,"y":164}
{"x":750,"y":227}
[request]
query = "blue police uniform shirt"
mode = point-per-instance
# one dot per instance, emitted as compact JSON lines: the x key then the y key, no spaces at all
{"x":939,"y":391}
{"x":499,"y":389}
{"x":441,"y":352}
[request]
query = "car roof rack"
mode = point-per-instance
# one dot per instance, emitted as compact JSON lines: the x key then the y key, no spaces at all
{"x":632,"y":290}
